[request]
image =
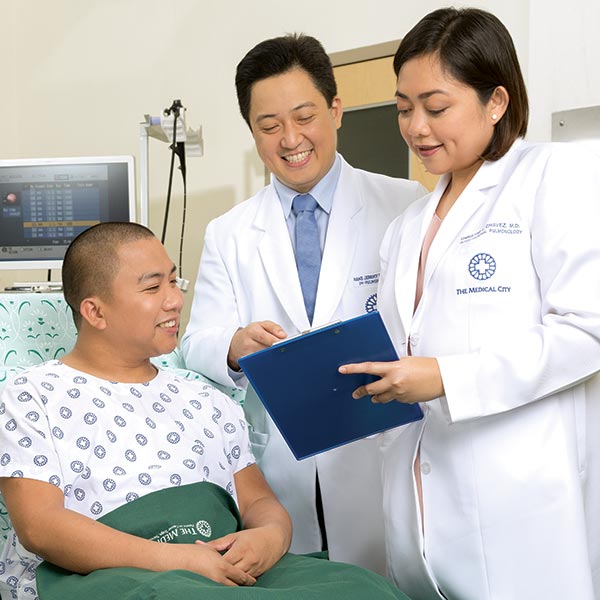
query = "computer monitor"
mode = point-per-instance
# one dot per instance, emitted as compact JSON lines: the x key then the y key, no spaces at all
{"x":46,"y":202}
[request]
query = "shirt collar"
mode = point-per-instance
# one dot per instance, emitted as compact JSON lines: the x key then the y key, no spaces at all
{"x":323,"y":192}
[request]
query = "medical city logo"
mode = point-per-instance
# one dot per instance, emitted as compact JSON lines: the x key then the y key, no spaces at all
{"x":202,"y":528}
{"x":371,"y":303}
{"x":482,"y":266}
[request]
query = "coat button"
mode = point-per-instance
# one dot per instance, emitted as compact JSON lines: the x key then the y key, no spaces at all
{"x":425,"y":468}
{"x":414,"y":339}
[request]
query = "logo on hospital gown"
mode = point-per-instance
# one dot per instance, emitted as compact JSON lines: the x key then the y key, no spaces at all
{"x":482,"y":266}
{"x":371,"y":303}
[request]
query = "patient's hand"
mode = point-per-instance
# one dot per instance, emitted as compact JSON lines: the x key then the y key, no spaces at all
{"x":77,"y":543}
{"x":202,"y":559}
{"x":253,"y":337}
{"x":267,"y":529}
{"x":254,"y":551}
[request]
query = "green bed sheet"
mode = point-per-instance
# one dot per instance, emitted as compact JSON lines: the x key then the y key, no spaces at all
{"x":205,"y":511}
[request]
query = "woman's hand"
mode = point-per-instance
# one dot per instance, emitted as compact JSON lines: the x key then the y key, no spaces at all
{"x":410,"y":379}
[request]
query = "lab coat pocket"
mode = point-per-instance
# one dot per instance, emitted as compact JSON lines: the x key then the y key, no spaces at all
{"x":576,"y":421}
{"x":361,"y":294}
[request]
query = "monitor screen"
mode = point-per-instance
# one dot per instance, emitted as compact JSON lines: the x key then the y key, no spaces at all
{"x":45,"y":203}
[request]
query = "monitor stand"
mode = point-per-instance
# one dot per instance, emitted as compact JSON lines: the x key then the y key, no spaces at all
{"x":35,"y":286}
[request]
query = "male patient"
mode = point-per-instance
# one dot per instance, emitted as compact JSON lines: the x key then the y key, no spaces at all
{"x":304,"y":251}
{"x":102,"y":426}
{"x":105,"y":458}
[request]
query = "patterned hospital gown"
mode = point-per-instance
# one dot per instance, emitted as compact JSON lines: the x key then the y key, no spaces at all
{"x":106,"y":443}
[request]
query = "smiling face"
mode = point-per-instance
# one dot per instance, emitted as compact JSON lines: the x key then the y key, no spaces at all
{"x":443,"y":120}
{"x":142,"y":311}
{"x":294,"y":130}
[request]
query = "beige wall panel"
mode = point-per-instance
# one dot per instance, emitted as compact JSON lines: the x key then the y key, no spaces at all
{"x":369,"y":82}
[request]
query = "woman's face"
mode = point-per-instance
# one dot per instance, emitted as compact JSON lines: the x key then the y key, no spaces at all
{"x":442,"y":120}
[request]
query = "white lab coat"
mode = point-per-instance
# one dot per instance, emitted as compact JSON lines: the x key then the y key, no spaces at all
{"x":509,"y":456}
{"x":248,"y":273}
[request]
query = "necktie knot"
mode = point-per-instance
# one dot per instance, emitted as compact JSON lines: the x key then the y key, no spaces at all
{"x":304,"y":203}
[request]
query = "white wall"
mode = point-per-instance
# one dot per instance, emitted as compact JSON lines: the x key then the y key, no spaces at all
{"x":85,"y":73}
{"x":564,"y":58}
{"x":8,"y":93}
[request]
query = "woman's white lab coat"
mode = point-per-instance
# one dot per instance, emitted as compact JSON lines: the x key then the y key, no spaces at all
{"x":509,"y":456}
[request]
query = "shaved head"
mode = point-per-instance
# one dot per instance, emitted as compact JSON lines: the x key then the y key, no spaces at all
{"x":92,"y":261}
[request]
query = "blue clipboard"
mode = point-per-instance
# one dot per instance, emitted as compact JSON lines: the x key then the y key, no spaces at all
{"x":298,"y":382}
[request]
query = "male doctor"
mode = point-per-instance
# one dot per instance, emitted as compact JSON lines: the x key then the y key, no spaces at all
{"x":252,"y":288}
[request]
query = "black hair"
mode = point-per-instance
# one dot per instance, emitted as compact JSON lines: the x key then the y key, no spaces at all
{"x":91,"y":261}
{"x":279,"y":55}
{"x":475,"y":48}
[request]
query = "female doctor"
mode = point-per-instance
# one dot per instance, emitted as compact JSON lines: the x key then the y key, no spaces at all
{"x":491,"y":292}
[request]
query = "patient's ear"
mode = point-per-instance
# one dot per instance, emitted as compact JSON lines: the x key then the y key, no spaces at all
{"x":92,"y":312}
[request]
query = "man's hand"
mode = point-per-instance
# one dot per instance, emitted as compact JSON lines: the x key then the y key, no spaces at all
{"x":267,"y":529}
{"x":410,"y":379}
{"x":253,"y":337}
{"x":254,"y":551}
{"x":202,"y":559}
{"x":80,"y":544}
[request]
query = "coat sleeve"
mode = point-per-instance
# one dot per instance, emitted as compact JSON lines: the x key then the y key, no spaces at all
{"x":214,"y":315}
{"x":562,"y":348}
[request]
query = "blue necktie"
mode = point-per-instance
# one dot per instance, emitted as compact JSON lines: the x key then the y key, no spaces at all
{"x":308,"y":249}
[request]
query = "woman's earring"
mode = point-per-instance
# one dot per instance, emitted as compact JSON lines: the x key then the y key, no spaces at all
{"x":494,"y":116}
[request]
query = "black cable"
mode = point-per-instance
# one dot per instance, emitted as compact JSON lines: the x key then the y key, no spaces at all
{"x":173,"y":152}
{"x":182,"y":224}
{"x":181,"y":154}
{"x":177,"y":148}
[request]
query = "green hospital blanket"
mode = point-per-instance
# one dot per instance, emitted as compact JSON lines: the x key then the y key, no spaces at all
{"x":204,"y":511}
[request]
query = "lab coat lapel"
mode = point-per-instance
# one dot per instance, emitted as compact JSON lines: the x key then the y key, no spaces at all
{"x":340,"y":246}
{"x":277,"y":255}
{"x":405,"y":283}
{"x":463,"y":209}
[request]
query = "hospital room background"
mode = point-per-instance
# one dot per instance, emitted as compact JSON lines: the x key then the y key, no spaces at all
{"x":78,"y":78}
